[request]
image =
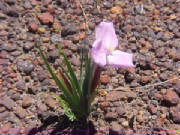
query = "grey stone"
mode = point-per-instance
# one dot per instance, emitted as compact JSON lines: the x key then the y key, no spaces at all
{"x":25,"y":67}
{"x":52,"y":55}
{"x":68,"y":30}
{"x":110,"y":116}
{"x":4,"y":115}
{"x":20,"y":85}
{"x":28,"y":46}
{"x":56,"y":38}
{"x":7,"y":102}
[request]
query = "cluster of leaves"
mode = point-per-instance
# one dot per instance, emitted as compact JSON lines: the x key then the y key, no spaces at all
{"x":78,"y":94}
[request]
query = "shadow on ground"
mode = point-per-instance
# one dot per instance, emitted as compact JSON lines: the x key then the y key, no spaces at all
{"x":61,"y":125}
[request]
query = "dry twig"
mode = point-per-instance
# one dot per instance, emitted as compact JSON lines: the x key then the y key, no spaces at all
{"x":85,"y":16}
{"x":142,"y":87}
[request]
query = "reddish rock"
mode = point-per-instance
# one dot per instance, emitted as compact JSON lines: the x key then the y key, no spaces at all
{"x":119,"y":95}
{"x":6,"y":127}
{"x":160,"y":52}
{"x":46,"y":2}
{"x":163,"y":109}
{"x":2,"y":109}
{"x":160,"y":120}
{"x":146,"y":79}
{"x":4,"y":61}
{"x":82,"y":35}
{"x":26,"y":101}
{"x":113,"y":96}
{"x":171,"y":97}
{"x":176,"y":117}
{"x":174,"y":54}
{"x":46,"y":18}
{"x":83,"y":26}
{"x":20,"y":112}
{"x":163,"y":91}
{"x":52,"y":103}
{"x":4,"y":55}
{"x":140,"y":117}
{"x":33,"y":27}
{"x":12,"y":75}
{"x":152,"y":109}
{"x":1,"y":68}
{"x":41,"y":107}
{"x":3,"y":33}
{"x":0,"y":88}
{"x":52,"y":9}
{"x":78,"y":11}
{"x":157,"y":96}
{"x":175,"y":113}
{"x":103,"y":105}
{"x":104,"y":79}
{"x":34,"y":2}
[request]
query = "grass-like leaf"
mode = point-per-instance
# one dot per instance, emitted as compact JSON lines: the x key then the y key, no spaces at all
{"x":60,"y":84}
{"x":74,"y":91}
{"x":86,"y":86}
{"x":71,"y":71}
{"x":84,"y":53}
{"x":65,"y":80}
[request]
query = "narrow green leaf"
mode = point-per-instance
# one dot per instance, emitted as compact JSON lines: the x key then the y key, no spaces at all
{"x":86,"y":77}
{"x":84,"y":54}
{"x":81,"y":67}
{"x":86,"y":85}
{"x":58,"y":82}
{"x":71,"y":71}
{"x":76,"y":96}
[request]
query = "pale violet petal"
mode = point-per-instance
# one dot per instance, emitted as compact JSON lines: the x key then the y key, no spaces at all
{"x":106,"y":33}
{"x":120,"y":59}
{"x":98,"y":57}
{"x":97,"y":44}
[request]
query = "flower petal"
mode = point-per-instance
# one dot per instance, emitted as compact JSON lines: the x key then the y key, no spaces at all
{"x":120,"y":59}
{"x":98,"y":57}
{"x":106,"y":33}
{"x":97,"y":44}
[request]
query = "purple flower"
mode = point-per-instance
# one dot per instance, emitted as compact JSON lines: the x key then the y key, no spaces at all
{"x":103,"y":49}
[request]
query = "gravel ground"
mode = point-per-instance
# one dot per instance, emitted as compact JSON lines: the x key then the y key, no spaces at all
{"x":128,"y":104}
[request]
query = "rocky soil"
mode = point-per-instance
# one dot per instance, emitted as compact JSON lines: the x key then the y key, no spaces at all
{"x":128,"y":102}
